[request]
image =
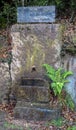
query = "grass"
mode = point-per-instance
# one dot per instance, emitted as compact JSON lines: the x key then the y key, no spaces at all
{"x":12,"y":126}
{"x":57,"y":123}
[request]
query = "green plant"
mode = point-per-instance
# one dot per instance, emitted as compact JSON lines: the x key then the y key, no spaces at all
{"x":58,"y":123}
{"x":71,"y":128}
{"x":12,"y":126}
{"x":58,"y":78}
{"x":69,"y":102}
{"x":8,"y":14}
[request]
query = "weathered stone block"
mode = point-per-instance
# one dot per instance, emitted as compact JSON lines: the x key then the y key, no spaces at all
{"x":33,"y":89}
{"x":34,"y":45}
{"x":35,"y":113}
{"x":33,"y":93}
{"x":23,"y":103}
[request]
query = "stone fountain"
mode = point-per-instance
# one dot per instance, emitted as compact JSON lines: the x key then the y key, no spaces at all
{"x":35,"y":41}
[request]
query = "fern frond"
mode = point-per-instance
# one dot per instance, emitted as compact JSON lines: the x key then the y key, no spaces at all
{"x":66,"y":74}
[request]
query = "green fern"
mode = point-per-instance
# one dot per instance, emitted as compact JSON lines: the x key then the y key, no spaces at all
{"x":58,"y":78}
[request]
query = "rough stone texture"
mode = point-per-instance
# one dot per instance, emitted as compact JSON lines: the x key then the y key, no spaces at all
{"x":33,"y":45}
{"x":35,"y":111}
{"x":69,"y":63}
{"x":33,"y":93}
{"x":23,"y":103}
{"x":4,"y":79}
{"x":33,"y":102}
{"x":39,"y":114}
{"x":68,"y":53}
{"x":33,"y":90}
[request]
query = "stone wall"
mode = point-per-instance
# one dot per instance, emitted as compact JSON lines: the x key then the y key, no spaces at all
{"x":4,"y":79}
{"x":69,"y":63}
{"x":33,"y":45}
{"x":68,"y":56}
{"x":5,"y":58}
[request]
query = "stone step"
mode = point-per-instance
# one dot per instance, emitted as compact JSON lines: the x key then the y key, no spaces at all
{"x":33,"y":93}
{"x":33,"y":81}
{"x":36,"y":113}
{"x":22,"y":103}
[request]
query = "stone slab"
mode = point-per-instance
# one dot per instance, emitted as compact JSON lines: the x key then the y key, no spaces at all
{"x":23,"y":103}
{"x":37,"y":114}
{"x":34,"y":45}
{"x":36,"y":14}
{"x":33,"y":93}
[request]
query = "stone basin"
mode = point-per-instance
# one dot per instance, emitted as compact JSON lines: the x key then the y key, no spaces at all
{"x":33,"y":82}
{"x":33,"y":100}
{"x":34,"y":90}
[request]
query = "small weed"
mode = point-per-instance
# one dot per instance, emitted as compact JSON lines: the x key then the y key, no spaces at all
{"x":57,"y":123}
{"x":12,"y":126}
{"x":71,"y":128}
{"x":28,"y":128}
{"x":69,"y":102}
